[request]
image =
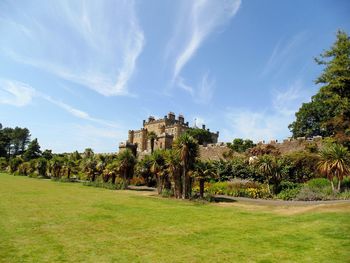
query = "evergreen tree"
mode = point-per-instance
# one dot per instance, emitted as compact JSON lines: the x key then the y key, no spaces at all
{"x":328,"y":113}
{"x":33,"y":151}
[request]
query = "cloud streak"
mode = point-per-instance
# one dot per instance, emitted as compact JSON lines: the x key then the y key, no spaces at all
{"x":93,"y":44}
{"x":15,"y":93}
{"x":282,"y":55}
{"x":205,"y":16}
{"x":19,"y":94}
{"x":196,"y":22}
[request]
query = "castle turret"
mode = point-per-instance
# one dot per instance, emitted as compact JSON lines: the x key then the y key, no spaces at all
{"x":181,"y":119}
{"x":131,"y":136}
{"x":171,"y":116}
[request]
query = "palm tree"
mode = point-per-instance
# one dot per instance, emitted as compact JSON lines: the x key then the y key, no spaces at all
{"x":335,"y":162}
{"x":152,"y":137}
{"x":111,"y":170}
{"x":158,"y":168}
{"x":266,"y":166}
{"x":143,"y":169}
{"x":273,"y":169}
{"x":187,"y":149}
{"x":173,"y":164}
{"x":41,"y":166}
{"x":56,"y":166}
{"x":68,"y":165}
{"x":203,"y":171}
{"x":126,"y":162}
{"x":89,"y":167}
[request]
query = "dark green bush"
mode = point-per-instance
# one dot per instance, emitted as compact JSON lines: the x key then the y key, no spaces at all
{"x":289,"y":193}
{"x":286,"y":185}
{"x":3,"y":163}
{"x":319,"y":183}
{"x":345,"y":184}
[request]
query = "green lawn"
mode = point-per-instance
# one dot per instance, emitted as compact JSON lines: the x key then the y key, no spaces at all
{"x":45,"y":221}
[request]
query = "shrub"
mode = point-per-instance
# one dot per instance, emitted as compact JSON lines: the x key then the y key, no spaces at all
{"x":344,"y":195}
{"x":167,"y":192}
{"x":239,"y":188}
{"x":318,"y":183}
{"x":312,"y":194}
{"x":14,"y":163}
{"x":287,"y":185}
{"x":102,"y":185}
{"x":302,"y":166}
{"x":289,"y":193}
{"x":3,"y":163}
{"x":137,"y":181}
{"x":345,"y":184}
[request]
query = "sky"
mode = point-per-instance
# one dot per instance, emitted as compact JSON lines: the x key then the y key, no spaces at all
{"x":80,"y":74}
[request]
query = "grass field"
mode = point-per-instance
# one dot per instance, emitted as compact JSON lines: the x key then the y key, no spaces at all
{"x":45,"y":221}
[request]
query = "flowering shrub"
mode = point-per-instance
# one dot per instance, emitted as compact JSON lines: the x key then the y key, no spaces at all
{"x":238,"y":188}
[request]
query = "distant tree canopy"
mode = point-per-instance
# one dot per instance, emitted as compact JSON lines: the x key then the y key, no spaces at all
{"x":33,"y":151}
{"x":328,"y":113}
{"x":240,"y":145}
{"x":13,"y":141}
{"x":201,"y":135}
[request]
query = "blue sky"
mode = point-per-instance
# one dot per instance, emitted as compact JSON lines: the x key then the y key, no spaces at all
{"x":79,"y":74}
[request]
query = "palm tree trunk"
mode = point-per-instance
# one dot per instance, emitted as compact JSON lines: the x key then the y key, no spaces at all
{"x":184,"y":182}
{"x":339,"y":182}
{"x":124,"y":179}
{"x":201,"y":187}
{"x":332,"y":184}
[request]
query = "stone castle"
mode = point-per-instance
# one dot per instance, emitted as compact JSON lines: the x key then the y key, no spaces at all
{"x":167,"y":129}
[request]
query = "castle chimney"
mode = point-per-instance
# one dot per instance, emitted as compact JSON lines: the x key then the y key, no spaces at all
{"x":171,"y":116}
{"x":181,"y":118}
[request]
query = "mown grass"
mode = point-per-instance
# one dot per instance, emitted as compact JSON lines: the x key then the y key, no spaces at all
{"x":45,"y":221}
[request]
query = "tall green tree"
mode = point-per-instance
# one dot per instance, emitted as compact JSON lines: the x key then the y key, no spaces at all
{"x":127,"y":162}
{"x":158,"y":168}
{"x":328,"y":113}
{"x":33,"y":150}
{"x":173,"y":167}
{"x":188,"y":150}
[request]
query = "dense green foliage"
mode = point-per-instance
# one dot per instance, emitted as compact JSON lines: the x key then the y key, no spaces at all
{"x":240,"y":145}
{"x":328,"y":113}
{"x":13,"y":141}
{"x":202,"y":136}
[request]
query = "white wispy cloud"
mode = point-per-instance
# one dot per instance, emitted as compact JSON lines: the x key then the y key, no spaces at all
{"x":203,"y":18}
{"x":282,"y":54}
{"x":15,"y":93}
{"x":94,"y":44}
{"x":76,"y":112}
{"x":271,"y":123}
{"x":20,"y":94}
{"x":203,"y":92}
{"x":196,"y":22}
